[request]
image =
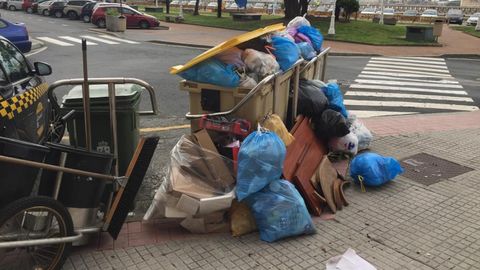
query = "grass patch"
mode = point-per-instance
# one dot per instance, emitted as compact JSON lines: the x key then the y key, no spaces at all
{"x":468,"y":30}
{"x":364,"y":32}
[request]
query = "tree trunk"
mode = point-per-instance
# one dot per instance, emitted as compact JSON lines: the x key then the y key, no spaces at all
{"x":304,"y":7}
{"x":167,"y":3}
{"x":219,"y":8}
{"x":292,"y":9}
{"x":195,"y":12}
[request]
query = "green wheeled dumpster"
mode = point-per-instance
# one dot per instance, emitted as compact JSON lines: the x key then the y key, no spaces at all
{"x":127,"y":107}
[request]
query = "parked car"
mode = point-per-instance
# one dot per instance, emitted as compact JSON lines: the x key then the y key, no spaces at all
{"x":34,"y":7}
{"x":410,"y":13}
{"x":387,"y":12}
{"x":17,"y":33}
{"x":473,"y":20}
{"x":454,"y":16}
{"x":73,"y":8}
{"x":56,"y":8}
{"x":14,"y":5}
{"x":3,"y":4}
{"x":86,"y":11}
{"x":191,"y":3}
{"x":27,"y":5}
{"x":429,"y":13}
{"x":134,"y":17}
{"x":212,"y":5}
{"x":43,"y":8}
{"x":368,"y":11}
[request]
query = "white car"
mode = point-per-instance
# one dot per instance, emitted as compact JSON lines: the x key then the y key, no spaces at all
{"x":232,"y":6}
{"x":43,"y":8}
{"x":473,"y":20}
{"x":212,"y":5}
{"x":14,"y":5}
{"x":368,"y":11}
{"x":191,"y":3}
{"x":175,"y":3}
{"x":429,"y":13}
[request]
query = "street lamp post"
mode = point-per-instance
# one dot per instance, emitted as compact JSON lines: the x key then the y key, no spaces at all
{"x":331,"y":29}
{"x":180,"y":13}
{"x":381,"y":12}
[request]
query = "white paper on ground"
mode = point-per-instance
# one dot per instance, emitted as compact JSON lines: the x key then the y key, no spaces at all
{"x":209,"y":205}
{"x":349,"y":261}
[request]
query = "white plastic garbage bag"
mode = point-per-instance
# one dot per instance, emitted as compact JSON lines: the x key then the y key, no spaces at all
{"x":349,"y":261}
{"x":263,"y":64}
{"x":345,"y":144}
{"x":364,"y":135}
{"x":297,"y":22}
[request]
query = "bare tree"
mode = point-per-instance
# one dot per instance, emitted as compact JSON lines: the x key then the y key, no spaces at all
{"x":294,"y":8}
{"x":195,"y":12}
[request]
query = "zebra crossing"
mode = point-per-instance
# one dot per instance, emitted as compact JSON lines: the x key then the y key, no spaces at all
{"x":406,"y":85}
{"x":92,"y":40}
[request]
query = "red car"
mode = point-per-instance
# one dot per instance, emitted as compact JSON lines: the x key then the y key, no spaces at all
{"x":134,"y":17}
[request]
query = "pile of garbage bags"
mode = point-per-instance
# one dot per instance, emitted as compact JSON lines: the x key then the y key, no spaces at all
{"x":247,"y":64}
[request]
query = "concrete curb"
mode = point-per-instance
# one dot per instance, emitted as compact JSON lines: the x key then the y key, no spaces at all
{"x":475,"y":56}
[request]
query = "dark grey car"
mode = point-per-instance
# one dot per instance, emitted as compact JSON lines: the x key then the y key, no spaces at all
{"x":454,"y":16}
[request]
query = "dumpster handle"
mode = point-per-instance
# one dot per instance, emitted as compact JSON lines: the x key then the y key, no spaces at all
{"x":114,"y":80}
{"x":250,"y":94}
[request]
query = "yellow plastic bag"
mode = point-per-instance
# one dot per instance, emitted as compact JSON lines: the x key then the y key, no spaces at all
{"x":274,"y":123}
{"x":241,"y":219}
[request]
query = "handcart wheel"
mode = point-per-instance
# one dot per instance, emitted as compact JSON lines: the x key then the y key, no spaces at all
{"x":33,"y":218}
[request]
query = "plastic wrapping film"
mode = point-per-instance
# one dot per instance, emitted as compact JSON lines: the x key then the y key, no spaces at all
{"x":262,"y":64}
{"x":192,"y":175}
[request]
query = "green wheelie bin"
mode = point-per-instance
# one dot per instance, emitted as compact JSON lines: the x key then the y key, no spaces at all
{"x":127,"y":107}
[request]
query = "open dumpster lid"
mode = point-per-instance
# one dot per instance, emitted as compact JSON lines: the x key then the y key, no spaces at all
{"x":227,"y":45}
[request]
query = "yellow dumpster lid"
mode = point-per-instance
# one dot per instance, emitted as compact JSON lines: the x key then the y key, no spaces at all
{"x":227,"y":45}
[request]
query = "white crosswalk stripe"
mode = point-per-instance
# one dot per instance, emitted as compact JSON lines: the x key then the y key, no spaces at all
{"x":91,"y":40}
{"x":406,"y":85}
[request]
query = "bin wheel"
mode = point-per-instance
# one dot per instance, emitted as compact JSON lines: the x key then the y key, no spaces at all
{"x":30,"y":218}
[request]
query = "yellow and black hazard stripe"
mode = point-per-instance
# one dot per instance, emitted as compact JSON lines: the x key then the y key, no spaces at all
{"x":13,"y":106}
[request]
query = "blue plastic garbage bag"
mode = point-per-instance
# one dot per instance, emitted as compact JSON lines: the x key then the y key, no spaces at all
{"x":260,"y":161}
{"x":306,"y":50}
{"x":372,"y":169}
{"x":314,"y":35}
{"x":212,"y":71}
{"x":279,"y":211}
{"x":285,"y":51}
{"x":335,"y":98}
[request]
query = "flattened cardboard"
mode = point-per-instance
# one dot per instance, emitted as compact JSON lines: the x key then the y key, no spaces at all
{"x":218,"y":169}
{"x":172,"y":212}
{"x":209,"y":205}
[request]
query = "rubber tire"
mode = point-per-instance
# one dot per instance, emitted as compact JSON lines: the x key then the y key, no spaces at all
{"x":101,"y":23}
{"x":58,"y":14}
{"x":12,"y":8}
{"x":45,"y":12}
{"x":72,"y":15}
{"x":144,"y":25}
{"x":24,"y":203}
{"x":29,"y":10}
{"x":86,"y":18}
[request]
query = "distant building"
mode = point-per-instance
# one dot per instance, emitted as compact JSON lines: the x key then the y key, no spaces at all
{"x":470,"y":3}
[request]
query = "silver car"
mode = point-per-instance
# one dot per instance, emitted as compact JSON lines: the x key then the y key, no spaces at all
{"x":14,"y":5}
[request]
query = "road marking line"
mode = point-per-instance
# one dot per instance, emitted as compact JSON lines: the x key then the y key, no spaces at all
{"x":393,"y":69}
{"x":55,"y":41}
{"x":77,"y":40}
{"x":36,"y":51}
{"x":367,"y":114}
{"x":407,"y":79}
{"x":159,"y":129}
{"x":64,"y":24}
{"x":406,"y":89}
{"x":442,"y":66}
{"x":403,"y":104}
{"x":101,"y":40}
{"x":119,"y":39}
{"x":399,"y":95}
{"x":421,"y":58}
{"x":402,"y":60}
{"x":408,"y":75}
{"x":409,"y":68}
{"x":385,"y":82}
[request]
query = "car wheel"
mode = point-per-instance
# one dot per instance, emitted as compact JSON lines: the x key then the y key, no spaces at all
{"x":58,"y":14}
{"x":86,"y":18}
{"x":46,"y":12}
{"x":29,"y":10}
{"x":72,"y":15}
{"x":144,"y":25}
{"x":101,"y":23}
{"x":12,"y":8}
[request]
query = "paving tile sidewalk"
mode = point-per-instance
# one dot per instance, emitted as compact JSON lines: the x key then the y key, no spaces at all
{"x":402,"y":225}
{"x":454,"y":42}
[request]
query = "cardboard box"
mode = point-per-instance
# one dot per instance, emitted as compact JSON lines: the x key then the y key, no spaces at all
{"x":222,"y":175}
{"x":188,"y":204}
{"x":214,"y":222}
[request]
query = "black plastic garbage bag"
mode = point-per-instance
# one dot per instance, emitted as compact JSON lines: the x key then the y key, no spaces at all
{"x":331,"y":124}
{"x":311,"y":99}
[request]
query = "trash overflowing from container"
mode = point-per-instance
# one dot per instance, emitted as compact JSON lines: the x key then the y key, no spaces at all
{"x":264,"y":128}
